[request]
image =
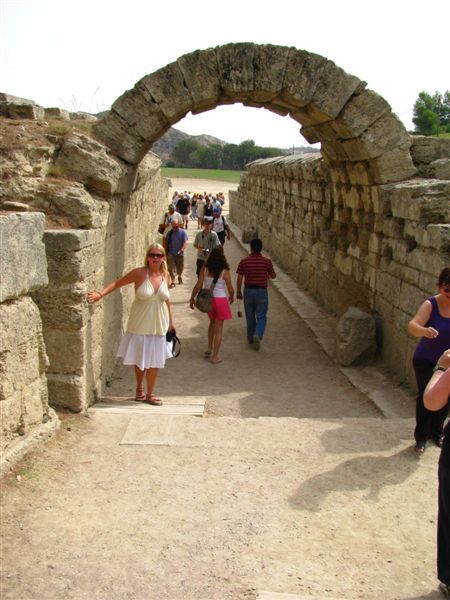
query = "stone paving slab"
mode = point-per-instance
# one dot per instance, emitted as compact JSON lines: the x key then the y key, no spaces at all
{"x":130,"y":407}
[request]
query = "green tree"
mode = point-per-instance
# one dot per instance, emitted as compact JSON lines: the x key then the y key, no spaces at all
{"x":184,"y":152}
{"x":431,"y":114}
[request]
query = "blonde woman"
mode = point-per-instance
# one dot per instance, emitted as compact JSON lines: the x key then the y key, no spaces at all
{"x":144,"y":343}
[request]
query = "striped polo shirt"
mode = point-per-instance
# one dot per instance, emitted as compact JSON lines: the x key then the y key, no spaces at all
{"x":256,"y":270}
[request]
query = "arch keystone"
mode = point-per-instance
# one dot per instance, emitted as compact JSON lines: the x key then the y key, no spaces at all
{"x":235,"y":63}
{"x":201,"y":76}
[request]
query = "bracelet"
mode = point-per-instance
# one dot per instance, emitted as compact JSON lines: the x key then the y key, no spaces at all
{"x":436,"y":368}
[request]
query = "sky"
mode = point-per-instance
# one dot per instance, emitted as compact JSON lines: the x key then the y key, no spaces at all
{"x":83,"y":54}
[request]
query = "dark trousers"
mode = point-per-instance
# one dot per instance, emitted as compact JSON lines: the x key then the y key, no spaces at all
{"x":443,"y":533}
{"x":429,"y":423}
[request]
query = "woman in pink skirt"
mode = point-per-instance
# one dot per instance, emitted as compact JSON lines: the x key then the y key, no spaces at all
{"x":217,"y":271}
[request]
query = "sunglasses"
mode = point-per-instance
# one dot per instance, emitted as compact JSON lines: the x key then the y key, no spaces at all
{"x":151,"y":255}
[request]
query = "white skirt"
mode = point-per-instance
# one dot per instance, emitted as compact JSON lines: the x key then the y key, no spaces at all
{"x":144,"y":351}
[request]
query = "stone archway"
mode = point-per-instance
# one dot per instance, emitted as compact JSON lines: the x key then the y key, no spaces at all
{"x":355,"y":126}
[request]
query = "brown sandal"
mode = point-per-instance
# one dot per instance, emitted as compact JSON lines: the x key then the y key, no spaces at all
{"x":140,"y":394}
{"x":152,"y":399}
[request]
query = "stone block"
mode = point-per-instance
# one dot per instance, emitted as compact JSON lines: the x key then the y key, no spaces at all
{"x":66,"y":350}
{"x":235,"y":64}
{"x":269,"y":64}
{"x":355,"y":337}
{"x":385,"y":134}
{"x":393,"y":165}
{"x":426,"y":149}
{"x":13,"y":107}
{"x":67,"y":391}
{"x":440,"y":169}
{"x":166,"y":87}
{"x":22,"y":254}
{"x":201,"y":76}
{"x":142,"y":112}
{"x":333,"y":88}
{"x":359,"y":113}
{"x":302,"y":71}
{"x":122,"y":138}
{"x":87,"y":161}
{"x":57,"y":113}
{"x":388,"y":287}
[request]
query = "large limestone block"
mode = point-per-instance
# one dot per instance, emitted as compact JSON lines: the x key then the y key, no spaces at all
{"x":359,"y":113}
{"x":23,"y":360}
{"x":123,"y":139}
{"x":13,"y":107}
{"x":269,"y":63}
{"x":355,"y":337}
{"x":73,"y":201}
{"x":302,"y":72}
{"x":22,"y":254}
{"x":167,"y":88}
{"x":235,"y":63}
{"x":426,"y":149}
{"x":393,"y":165}
{"x":201,"y":76}
{"x":68,"y":391}
{"x":142,"y":113}
{"x":88,"y":162}
{"x":419,"y":200}
{"x":57,"y":113}
{"x":385,"y":134}
{"x":63,"y":307}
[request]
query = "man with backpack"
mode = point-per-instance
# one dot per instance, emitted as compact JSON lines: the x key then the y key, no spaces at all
{"x":220,"y":226}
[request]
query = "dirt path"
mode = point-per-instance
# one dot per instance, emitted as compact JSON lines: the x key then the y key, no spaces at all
{"x":291,"y":483}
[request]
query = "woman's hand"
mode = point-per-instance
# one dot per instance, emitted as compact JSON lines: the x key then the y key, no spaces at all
{"x":431,"y":333}
{"x":94,"y":297}
{"x":192,"y":302}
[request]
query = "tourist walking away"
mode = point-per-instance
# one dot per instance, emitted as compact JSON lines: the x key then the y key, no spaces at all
{"x":183,"y":206}
{"x":436,"y":397}
{"x":176,"y":242}
{"x":204,"y":242}
{"x":432,"y":324}
{"x":220,"y":226}
{"x":144,"y":344}
{"x":215,"y":275}
{"x":255,"y":270}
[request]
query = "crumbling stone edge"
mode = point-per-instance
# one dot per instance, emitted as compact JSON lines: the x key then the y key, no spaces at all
{"x":36,"y":437}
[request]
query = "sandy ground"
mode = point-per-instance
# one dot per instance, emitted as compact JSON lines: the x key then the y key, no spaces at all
{"x":292,"y":482}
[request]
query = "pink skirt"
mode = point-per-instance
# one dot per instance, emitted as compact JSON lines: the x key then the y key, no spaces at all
{"x":220,"y":309}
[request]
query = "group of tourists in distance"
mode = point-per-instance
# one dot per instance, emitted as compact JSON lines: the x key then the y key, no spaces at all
{"x":144,"y":344}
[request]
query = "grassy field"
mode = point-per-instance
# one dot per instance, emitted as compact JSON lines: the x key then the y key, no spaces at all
{"x":212,"y":174}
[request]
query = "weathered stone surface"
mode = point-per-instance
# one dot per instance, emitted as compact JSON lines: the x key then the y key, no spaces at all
{"x":393,"y":165}
{"x":333,"y":88}
{"x":114,"y":131}
{"x":23,"y":387}
{"x":141,"y":112}
{"x":166,"y":87}
{"x":235,"y":63}
{"x":22,"y":254}
{"x":83,"y":116}
{"x":355,"y":337}
{"x":201,"y":76}
{"x":425,"y":149}
{"x":249,"y":234}
{"x":419,"y":200}
{"x":80,"y":208}
{"x":269,"y":64}
{"x":385,"y":134}
{"x":56,"y":113}
{"x":13,"y":107}
{"x":359,"y":113}
{"x":437,"y":169}
{"x":88,"y":162}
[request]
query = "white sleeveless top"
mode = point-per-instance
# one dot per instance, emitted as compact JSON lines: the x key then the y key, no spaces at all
{"x":149,"y":314}
{"x":220,"y":289}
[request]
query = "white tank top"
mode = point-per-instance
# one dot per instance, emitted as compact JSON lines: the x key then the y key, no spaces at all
{"x":220,"y":289}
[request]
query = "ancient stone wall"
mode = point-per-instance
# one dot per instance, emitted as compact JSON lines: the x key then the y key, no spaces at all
{"x":23,"y":360}
{"x":97,"y":216}
{"x":377,"y":247}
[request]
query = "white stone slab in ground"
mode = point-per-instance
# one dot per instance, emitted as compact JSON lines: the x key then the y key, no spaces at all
{"x":170,"y":407}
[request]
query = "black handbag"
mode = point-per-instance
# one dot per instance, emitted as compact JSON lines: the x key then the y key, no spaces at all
{"x":172,"y":338}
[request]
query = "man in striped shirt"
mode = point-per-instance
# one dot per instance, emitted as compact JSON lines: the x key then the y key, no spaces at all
{"x":255,"y":270}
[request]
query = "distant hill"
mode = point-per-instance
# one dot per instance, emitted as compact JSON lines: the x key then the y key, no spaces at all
{"x":165,"y":145}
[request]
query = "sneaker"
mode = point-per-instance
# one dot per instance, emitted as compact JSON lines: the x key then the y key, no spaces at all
{"x":444,"y":589}
{"x":256,"y":342}
{"x":420,"y":448}
{"x":438,"y":439}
